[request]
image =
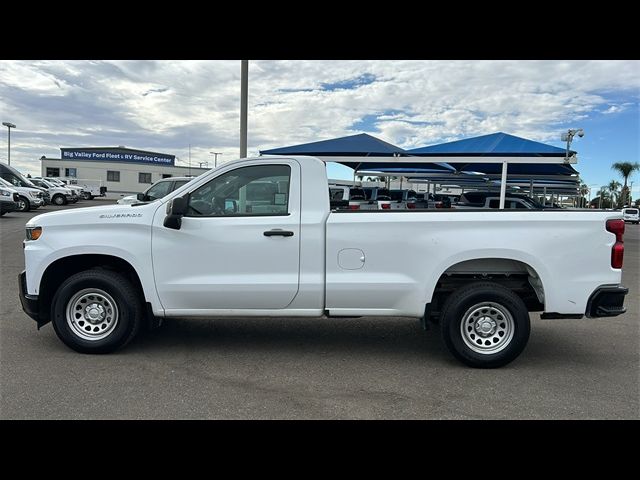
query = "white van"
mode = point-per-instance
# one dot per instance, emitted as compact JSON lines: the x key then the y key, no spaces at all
{"x":631,"y":215}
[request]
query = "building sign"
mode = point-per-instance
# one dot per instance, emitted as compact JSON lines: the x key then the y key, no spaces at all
{"x":116,"y":155}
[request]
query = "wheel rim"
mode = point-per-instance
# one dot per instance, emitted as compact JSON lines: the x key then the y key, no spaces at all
{"x":92,"y":314}
{"x":487,"y":328}
{"x":58,"y":200}
{"x":22,"y":205}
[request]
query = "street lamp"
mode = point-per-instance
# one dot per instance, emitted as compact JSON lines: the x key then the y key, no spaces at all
{"x":9,"y":127}
{"x":215,"y":159}
{"x":568,"y":137}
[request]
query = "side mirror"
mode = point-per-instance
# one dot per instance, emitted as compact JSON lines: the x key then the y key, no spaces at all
{"x":142,"y":197}
{"x":176,"y":209}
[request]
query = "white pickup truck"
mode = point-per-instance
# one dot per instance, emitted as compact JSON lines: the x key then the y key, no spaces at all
{"x":217,"y":248}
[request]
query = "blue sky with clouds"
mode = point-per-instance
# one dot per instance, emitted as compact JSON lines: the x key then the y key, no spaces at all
{"x":167,"y":105}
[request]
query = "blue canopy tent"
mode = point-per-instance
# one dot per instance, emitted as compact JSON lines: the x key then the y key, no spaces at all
{"x":488,"y":155}
{"x":361,"y":151}
{"x":496,"y":146}
{"x":501,"y":153}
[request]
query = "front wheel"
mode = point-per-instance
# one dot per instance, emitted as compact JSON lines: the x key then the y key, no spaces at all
{"x":96,"y":311}
{"x":485,"y":325}
{"x":23,"y":205}
{"x":87,"y":196}
{"x":59,"y":200}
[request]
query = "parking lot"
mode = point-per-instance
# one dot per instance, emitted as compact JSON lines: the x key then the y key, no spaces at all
{"x":269,"y":368}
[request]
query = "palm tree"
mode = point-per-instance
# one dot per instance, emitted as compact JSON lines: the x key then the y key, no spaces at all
{"x":613,"y":190}
{"x":603,"y":196}
{"x":584,"y":191}
{"x":625,"y":169}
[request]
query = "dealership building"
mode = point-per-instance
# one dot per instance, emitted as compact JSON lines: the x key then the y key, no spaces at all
{"x":120,"y":169}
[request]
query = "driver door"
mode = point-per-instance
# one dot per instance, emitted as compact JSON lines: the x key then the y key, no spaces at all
{"x":238,"y":246}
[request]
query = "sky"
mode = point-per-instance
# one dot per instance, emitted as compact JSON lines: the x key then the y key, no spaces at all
{"x":165,"y":106}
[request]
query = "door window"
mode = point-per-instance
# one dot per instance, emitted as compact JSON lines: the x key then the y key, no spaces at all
{"x":246,"y":191}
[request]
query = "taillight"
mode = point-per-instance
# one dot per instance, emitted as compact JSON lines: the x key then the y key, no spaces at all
{"x":617,"y":251}
{"x":386,"y":206}
{"x":439,"y":205}
{"x":411,"y":206}
{"x":354,"y":207}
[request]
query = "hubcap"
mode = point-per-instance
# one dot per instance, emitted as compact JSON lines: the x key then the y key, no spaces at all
{"x":487,"y":327}
{"x":92,"y":314}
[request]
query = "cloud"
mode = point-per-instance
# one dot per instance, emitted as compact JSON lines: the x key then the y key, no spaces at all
{"x":167,"y":105}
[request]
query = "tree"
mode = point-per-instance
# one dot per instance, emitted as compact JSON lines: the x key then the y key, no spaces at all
{"x":602,"y":198}
{"x":625,"y":169}
{"x":584,"y":191}
{"x":613,"y":190}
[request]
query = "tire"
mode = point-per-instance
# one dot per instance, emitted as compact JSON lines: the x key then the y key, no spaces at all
{"x":59,"y":200}
{"x":114,"y":321}
{"x":86,"y":196}
{"x":485,"y":325}
{"x":23,"y":205}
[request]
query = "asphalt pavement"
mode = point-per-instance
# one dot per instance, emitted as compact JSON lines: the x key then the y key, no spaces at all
{"x":272,"y":368}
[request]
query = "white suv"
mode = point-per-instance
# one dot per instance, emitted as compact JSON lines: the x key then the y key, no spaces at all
{"x":631,"y":215}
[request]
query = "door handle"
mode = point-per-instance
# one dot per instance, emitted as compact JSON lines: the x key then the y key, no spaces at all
{"x":276,"y":233}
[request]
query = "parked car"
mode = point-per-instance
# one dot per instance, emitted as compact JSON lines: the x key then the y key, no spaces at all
{"x":9,"y":198}
{"x":58,"y":195}
{"x":29,"y":198}
{"x":157,"y":190}
{"x":403,"y":199}
{"x":631,"y":215}
{"x":378,"y":198}
{"x":482,"y":199}
{"x":76,"y":192}
{"x":204,"y":251}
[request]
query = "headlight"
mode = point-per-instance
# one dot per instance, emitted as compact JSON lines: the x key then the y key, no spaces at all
{"x":33,"y":233}
{"x":33,"y":194}
{"x":5,"y":193}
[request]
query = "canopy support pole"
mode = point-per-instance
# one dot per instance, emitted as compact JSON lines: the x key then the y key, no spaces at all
{"x":503,"y":184}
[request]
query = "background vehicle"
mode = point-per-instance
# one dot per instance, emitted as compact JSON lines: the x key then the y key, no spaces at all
{"x":631,"y":215}
{"x":157,"y":190}
{"x":8,"y":199}
{"x":57,"y":195}
{"x":89,"y":188}
{"x":492,"y":200}
{"x":403,"y":199}
{"x":28,"y":197}
{"x":256,"y":237}
{"x":76,"y":192}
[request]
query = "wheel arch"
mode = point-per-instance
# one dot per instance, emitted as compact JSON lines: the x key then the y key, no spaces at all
{"x":62,"y":268}
{"x":502,"y":266}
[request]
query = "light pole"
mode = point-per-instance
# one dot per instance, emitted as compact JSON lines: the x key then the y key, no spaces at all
{"x":9,"y":127}
{"x":244,"y":93}
{"x":568,"y":137}
{"x":215,"y":159}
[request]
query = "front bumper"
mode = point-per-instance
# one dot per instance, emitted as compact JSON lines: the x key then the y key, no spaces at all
{"x":36,"y":202}
{"x":607,"y":302}
{"x":30,"y":303}
{"x":8,"y":206}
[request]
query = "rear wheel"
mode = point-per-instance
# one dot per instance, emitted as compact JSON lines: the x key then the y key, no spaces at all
{"x":485,"y":325}
{"x":96,"y":311}
{"x":23,"y":205}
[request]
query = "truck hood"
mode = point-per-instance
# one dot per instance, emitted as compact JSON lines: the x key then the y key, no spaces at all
{"x":139,"y":214}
